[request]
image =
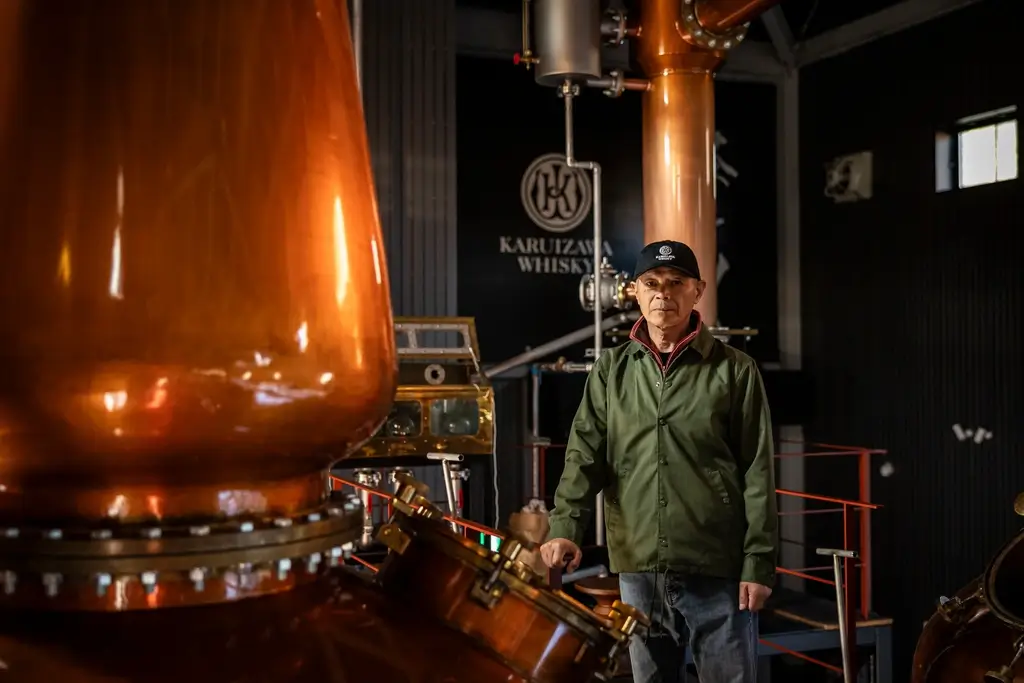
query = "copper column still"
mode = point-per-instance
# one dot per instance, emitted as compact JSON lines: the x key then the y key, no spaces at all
{"x":196,"y":323}
{"x":679,"y":45}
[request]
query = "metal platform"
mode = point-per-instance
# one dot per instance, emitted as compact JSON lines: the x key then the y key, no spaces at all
{"x":798,"y":623}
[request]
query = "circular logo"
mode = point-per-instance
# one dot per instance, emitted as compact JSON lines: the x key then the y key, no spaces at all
{"x":665,"y":250}
{"x":557,"y":198}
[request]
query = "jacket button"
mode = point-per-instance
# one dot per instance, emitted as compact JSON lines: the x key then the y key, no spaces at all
{"x":664,"y":461}
{"x":664,"y":541}
{"x":662,"y":421}
{"x":663,"y":502}
{"x":657,"y":384}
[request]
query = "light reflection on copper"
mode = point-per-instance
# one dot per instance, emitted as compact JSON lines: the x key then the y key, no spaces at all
{"x":116,"y":273}
{"x":167,"y":231}
{"x":340,"y":254}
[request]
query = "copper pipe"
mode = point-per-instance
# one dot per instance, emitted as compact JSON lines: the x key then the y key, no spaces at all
{"x":679,"y":136}
{"x":722,"y":15}
{"x":193,"y":285}
{"x":636,"y":84}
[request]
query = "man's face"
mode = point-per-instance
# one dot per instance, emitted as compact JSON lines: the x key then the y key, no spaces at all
{"x":667,"y":297}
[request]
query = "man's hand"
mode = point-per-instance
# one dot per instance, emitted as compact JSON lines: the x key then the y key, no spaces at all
{"x":752,"y":595}
{"x":554,"y":552}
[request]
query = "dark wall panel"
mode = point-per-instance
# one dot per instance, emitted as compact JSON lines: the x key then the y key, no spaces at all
{"x":409,"y":95}
{"x":912,"y":303}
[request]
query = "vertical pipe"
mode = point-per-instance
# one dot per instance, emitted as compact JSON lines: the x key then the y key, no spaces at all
{"x":598,"y":250}
{"x":679,"y":141}
{"x":864,"y":465}
{"x":679,"y":170}
{"x":535,"y":431}
{"x":568,"y":92}
{"x":841,"y":607}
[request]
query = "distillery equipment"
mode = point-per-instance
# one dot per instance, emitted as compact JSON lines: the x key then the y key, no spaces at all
{"x":978,"y":633}
{"x":197,"y":325}
{"x":443,"y":404}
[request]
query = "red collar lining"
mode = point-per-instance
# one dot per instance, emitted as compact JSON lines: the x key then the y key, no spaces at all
{"x":683,"y":343}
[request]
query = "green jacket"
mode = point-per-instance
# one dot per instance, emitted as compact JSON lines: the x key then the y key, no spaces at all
{"x":684,"y":456}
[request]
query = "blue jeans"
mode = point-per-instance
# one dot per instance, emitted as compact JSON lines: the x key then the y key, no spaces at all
{"x":723,"y":639}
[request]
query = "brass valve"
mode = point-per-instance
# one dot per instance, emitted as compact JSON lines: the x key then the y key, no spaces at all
{"x":625,"y":618}
{"x":411,"y":498}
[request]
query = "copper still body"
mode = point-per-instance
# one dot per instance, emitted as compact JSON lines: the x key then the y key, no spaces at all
{"x":197,"y":323}
{"x":680,"y":44}
{"x":978,"y":634}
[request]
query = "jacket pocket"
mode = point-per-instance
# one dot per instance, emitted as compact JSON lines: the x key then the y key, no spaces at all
{"x":718,"y":487}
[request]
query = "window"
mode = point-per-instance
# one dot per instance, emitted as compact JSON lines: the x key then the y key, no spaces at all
{"x":982,"y":151}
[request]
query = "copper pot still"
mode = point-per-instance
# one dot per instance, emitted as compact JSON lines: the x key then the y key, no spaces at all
{"x":978,"y":634}
{"x":196,"y":323}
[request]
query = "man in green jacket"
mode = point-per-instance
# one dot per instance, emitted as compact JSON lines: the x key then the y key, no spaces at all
{"x":675,"y":430}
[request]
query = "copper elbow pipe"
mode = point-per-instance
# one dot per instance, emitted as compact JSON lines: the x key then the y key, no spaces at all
{"x":636,"y":84}
{"x":722,"y":15}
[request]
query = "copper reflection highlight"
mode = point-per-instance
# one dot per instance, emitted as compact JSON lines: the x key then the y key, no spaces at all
{"x":679,"y":132}
{"x":192,"y":278}
{"x":722,"y":15}
{"x":678,"y":141}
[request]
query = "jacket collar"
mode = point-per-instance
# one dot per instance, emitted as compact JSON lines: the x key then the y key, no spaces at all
{"x":700,"y":340}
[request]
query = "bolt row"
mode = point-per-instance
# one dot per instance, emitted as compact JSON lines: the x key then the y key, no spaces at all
{"x":198,"y":575}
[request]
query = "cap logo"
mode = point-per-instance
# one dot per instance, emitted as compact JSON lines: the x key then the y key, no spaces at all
{"x":665,"y":253}
{"x":665,"y":250}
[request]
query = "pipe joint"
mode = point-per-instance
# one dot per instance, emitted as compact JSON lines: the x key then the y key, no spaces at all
{"x":613,"y":27}
{"x":698,"y":34}
{"x":614,"y":84}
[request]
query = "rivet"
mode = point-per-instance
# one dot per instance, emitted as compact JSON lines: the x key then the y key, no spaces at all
{"x":283,"y":567}
{"x":198,"y":577}
{"x":335,"y":512}
{"x":282,"y":522}
{"x":712,"y":42}
{"x":11,"y":533}
{"x":690,"y":17}
{"x":332,"y":556}
{"x":102,"y":583}
{"x":727,"y":44}
{"x":152,"y":532}
{"x":312,"y":562}
{"x":101,"y":534}
{"x":314,"y":517}
{"x":54,"y":534}
{"x":246,"y":527}
{"x":348,"y":549}
{"x":52,"y":583}
{"x":352,"y":505}
{"x":10,"y":582}
{"x":698,"y":33}
{"x":199,"y":530}
{"x":148,"y":581}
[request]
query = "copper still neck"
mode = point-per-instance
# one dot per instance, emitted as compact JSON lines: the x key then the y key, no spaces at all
{"x":195,"y":296}
{"x":679,"y":46}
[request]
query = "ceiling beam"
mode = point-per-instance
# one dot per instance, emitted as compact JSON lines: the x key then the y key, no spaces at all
{"x":900,"y":17}
{"x":494,"y":34}
{"x":781,"y":35}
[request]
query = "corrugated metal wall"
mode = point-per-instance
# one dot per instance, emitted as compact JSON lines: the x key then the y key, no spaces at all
{"x":408,"y":85}
{"x":409,"y":95}
{"x":912,"y":306}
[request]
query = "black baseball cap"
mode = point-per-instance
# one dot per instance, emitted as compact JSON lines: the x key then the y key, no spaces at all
{"x":667,"y":254}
